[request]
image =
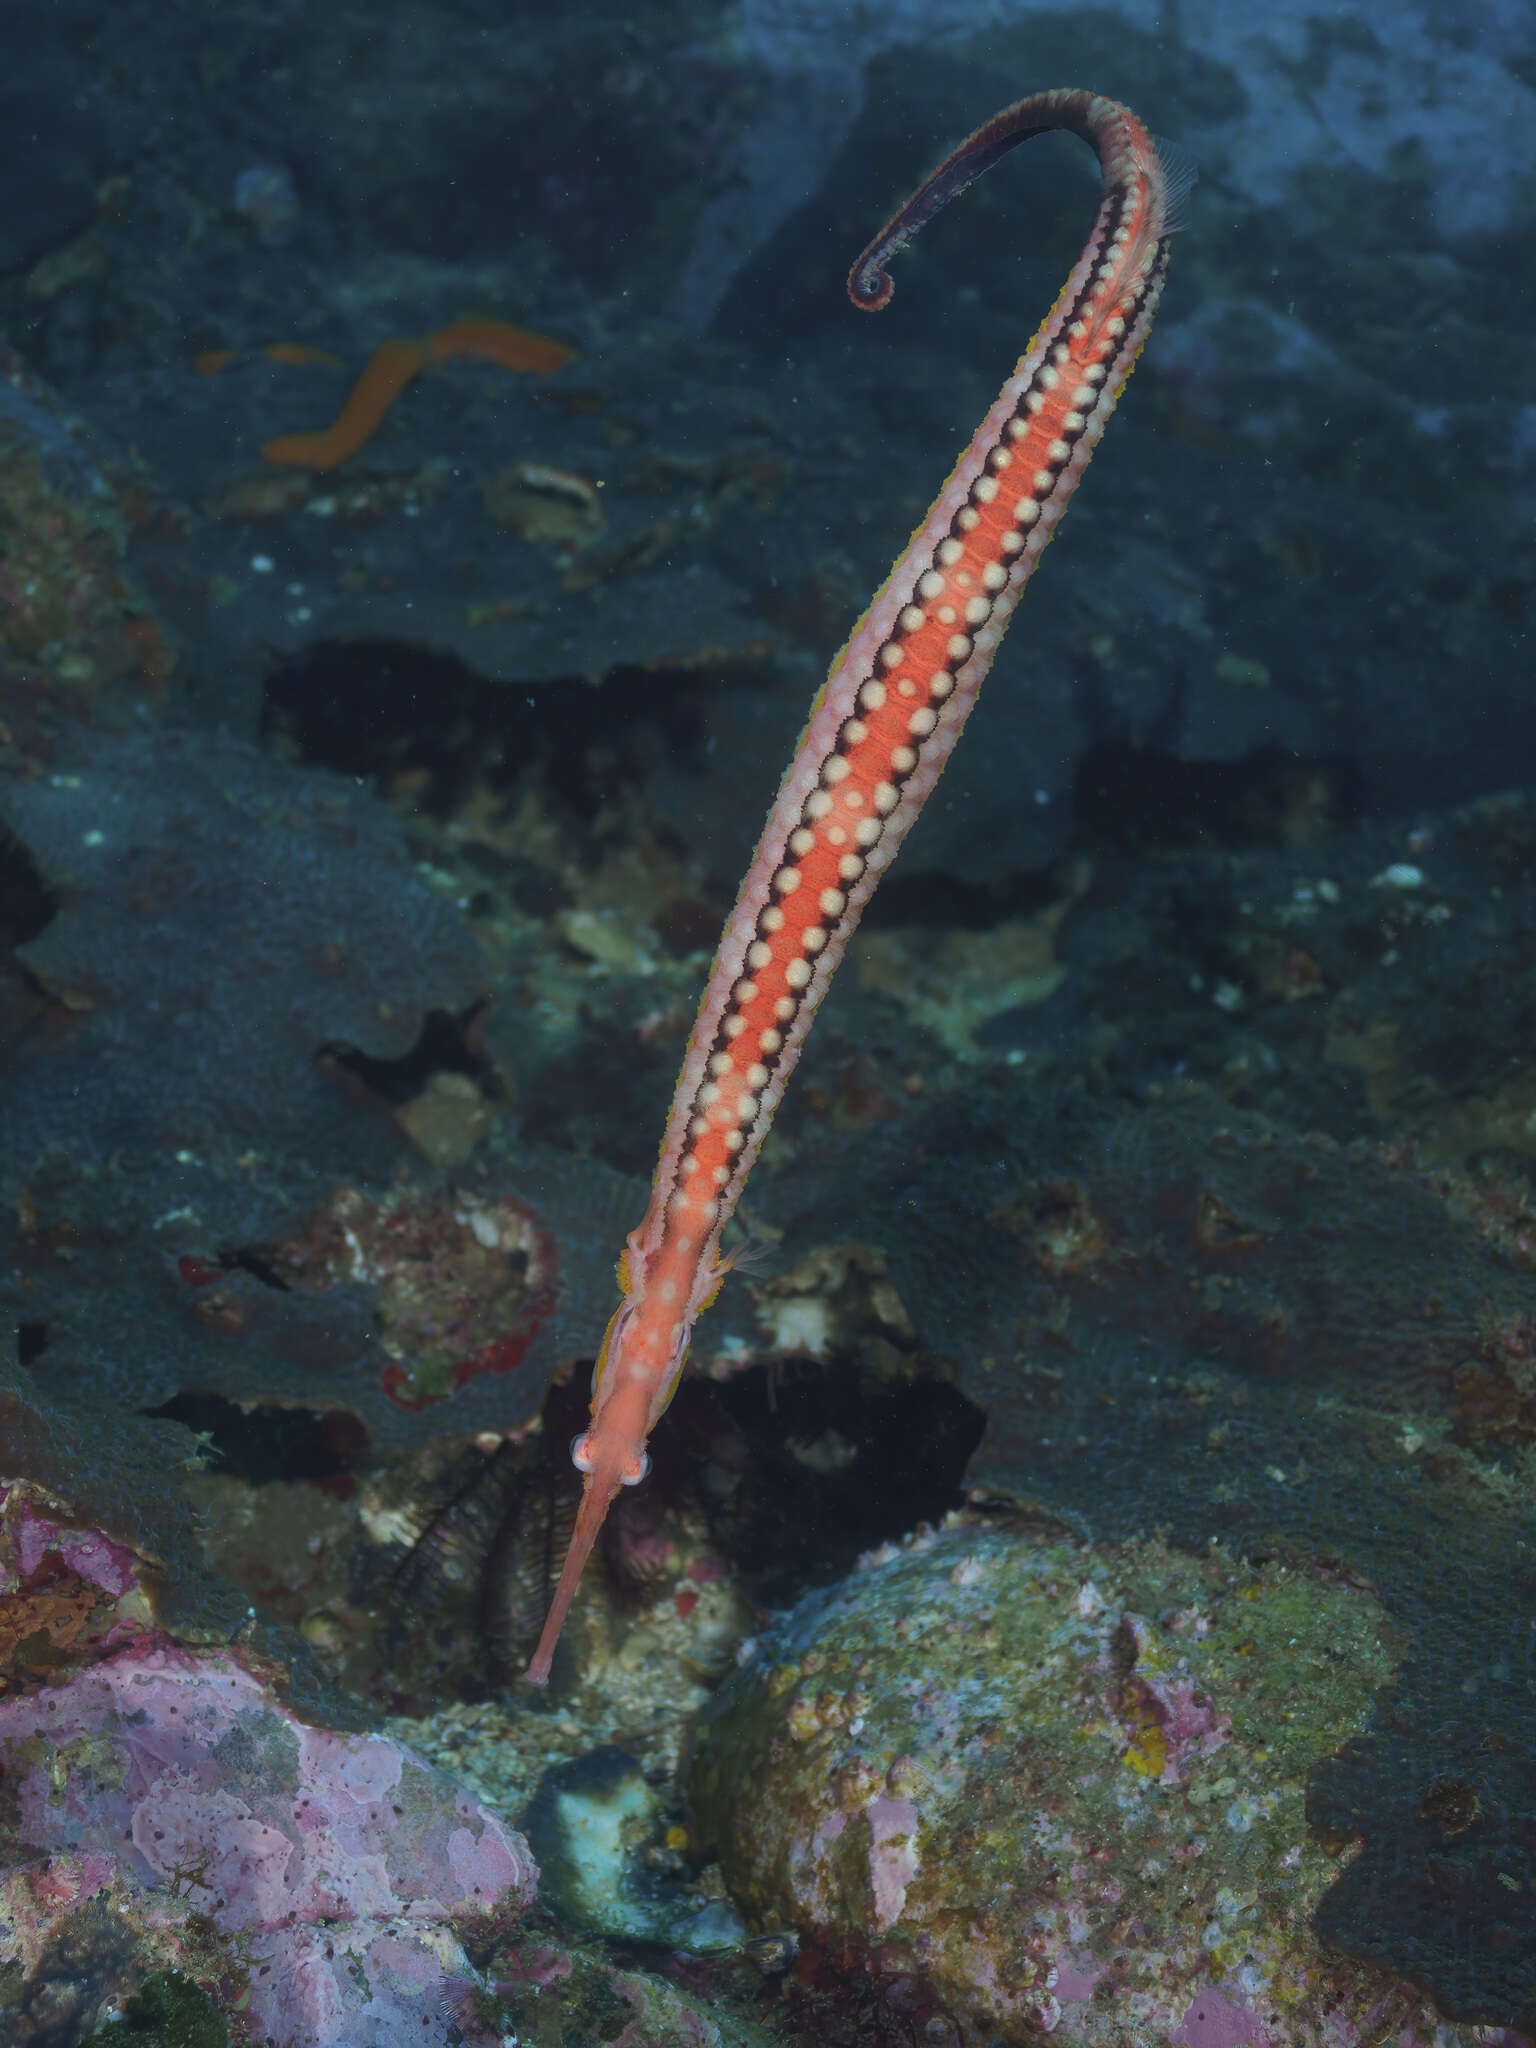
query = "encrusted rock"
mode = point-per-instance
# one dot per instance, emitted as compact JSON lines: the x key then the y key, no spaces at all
{"x":322,"y":1885}
{"x":1062,"y":1788}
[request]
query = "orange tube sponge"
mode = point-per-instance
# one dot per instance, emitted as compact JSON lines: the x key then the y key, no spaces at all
{"x":394,"y":364}
{"x":391,"y":367}
{"x":496,"y":342}
{"x":297,"y":352}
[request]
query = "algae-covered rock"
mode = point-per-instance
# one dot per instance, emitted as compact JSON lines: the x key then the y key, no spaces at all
{"x":586,"y":1825}
{"x":162,"y":1810}
{"x":1063,"y":1787}
{"x":542,"y":1993}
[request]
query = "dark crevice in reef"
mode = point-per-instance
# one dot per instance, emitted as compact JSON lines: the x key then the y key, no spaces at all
{"x":260,"y":1445}
{"x":27,"y":903}
{"x":31,"y":1342}
{"x":838,"y":1465}
{"x":426,"y":727}
{"x":447,"y":1045}
{"x":1130,"y":798}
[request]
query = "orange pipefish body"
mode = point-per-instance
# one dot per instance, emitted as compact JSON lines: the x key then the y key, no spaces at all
{"x":878,"y":736}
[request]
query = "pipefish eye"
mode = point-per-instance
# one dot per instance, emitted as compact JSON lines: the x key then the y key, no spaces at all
{"x":581,"y":1451}
{"x":636,"y":1470}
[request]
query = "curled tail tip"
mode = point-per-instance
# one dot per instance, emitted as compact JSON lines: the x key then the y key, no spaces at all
{"x":871,"y":289}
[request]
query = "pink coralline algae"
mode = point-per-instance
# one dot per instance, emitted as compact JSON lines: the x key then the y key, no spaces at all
{"x":341,"y":1873}
{"x":1062,"y":1791}
{"x":32,"y":1534}
{"x":66,"y":1593}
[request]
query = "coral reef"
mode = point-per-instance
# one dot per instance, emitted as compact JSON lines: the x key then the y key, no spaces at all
{"x":77,"y":630}
{"x":216,"y":914}
{"x":227,"y":966}
{"x":1062,"y":1789}
{"x":309,"y":1190}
